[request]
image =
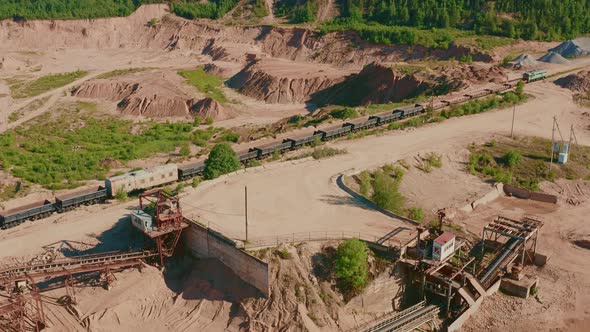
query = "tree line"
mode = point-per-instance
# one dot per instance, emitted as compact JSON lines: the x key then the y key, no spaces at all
{"x":533,"y":19}
{"x":67,"y":9}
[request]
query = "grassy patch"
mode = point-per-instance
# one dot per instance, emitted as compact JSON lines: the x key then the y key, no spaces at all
{"x":205,"y":82}
{"x":65,"y":147}
{"x":34,"y":105}
{"x":326,"y":152}
{"x":120,"y":72}
{"x":486,"y":42}
{"x":525,"y":162}
{"x":25,"y":89}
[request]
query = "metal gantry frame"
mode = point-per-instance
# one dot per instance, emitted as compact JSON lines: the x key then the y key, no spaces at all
{"x":524,"y":230}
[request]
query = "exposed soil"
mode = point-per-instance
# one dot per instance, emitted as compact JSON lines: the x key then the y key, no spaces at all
{"x":578,"y":82}
{"x":378,"y":84}
{"x":280,"y":81}
{"x":154,"y":93}
{"x":210,"y":108}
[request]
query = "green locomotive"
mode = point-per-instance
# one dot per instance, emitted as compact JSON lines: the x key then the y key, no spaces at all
{"x":534,"y":75}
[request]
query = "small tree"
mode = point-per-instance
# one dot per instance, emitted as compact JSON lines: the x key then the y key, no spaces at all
{"x":208,"y":120}
{"x":351,"y":266}
{"x":520,"y":88}
{"x":222,"y":160}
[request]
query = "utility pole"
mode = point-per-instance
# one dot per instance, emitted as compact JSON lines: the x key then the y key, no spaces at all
{"x":512,"y":130}
{"x":246,"y":209}
{"x":552,"y":143}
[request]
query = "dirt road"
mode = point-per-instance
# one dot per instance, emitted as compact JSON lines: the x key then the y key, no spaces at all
{"x":304,"y":197}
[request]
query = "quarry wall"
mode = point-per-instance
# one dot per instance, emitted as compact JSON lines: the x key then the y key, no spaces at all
{"x":207,"y":243}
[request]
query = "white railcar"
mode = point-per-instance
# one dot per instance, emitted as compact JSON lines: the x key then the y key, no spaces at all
{"x":142,"y":179}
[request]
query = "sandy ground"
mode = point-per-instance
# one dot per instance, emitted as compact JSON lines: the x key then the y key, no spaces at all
{"x":277,"y":194}
{"x":561,"y":303}
{"x":303,"y":197}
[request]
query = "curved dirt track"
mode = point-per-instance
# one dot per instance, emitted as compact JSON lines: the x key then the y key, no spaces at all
{"x":303,"y":197}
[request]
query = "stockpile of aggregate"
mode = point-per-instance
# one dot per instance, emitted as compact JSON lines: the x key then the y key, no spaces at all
{"x":552,"y":57}
{"x":525,"y":60}
{"x":573,"y":48}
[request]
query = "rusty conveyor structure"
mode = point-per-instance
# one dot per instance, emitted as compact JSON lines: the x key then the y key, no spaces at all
{"x":70,"y":266}
{"x":402,"y":321}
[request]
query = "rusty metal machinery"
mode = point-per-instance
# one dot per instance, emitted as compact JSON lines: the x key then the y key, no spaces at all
{"x":168,"y":221}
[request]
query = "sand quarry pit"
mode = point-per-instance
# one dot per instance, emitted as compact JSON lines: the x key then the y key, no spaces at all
{"x":273,"y":72}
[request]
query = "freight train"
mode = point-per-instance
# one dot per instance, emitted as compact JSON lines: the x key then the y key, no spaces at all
{"x":169,"y":173}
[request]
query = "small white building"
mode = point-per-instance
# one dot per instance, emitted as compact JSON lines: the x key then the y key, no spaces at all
{"x":443,"y":246}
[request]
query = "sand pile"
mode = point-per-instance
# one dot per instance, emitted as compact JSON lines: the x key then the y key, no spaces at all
{"x":153,"y":93}
{"x":525,"y":60}
{"x":150,"y":93}
{"x":379,"y":84}
{"x":209,"y":107}
{"x":472,"y":73}
{"x":222,"y":69}
{"x":578,"y":82}
{"x":280,"y":81}
{"x":105,"y":89}
{"x":573,"y":48}
{"x":552,"y":57}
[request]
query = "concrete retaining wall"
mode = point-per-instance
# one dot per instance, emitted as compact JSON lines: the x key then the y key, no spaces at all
{"x":458,"y":323}
{"x":527,"y":194}
{"x":206,"y":243}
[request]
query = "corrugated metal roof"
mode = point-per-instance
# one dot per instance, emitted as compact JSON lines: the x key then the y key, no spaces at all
{"x":444,"y":238}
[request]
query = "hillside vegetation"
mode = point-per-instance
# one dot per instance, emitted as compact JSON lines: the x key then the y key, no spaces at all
{"x":380,"y":21}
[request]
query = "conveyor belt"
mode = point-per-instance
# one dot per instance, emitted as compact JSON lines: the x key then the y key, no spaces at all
{"x":74,"y":265}
{"x":405,"y":320}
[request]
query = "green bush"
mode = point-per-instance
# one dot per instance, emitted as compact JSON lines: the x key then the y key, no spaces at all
{"x":520,"y":88}
{"x":326,"y":152}
{"x":222,"y":160}
{"x":231,"y":137}
{"x":386,"y":192}
{"x":283,"y":253}
{"x":365,"y":183}
{"x":208,"y":120}
{"x":121,"y":195}
{"x":344,"y":113}
{"x":196,"y":181}
{"x":416,"y":213}
{"x":351,"y":266}
{"x":512,"y":158}
{"x":185,"y":150}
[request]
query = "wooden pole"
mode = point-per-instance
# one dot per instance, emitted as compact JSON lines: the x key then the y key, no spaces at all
{"x":246,"y":209}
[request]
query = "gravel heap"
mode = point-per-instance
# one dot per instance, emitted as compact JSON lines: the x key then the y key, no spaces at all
{"x":525,"y":60}
{"x":573,"y":48}
{"x":552,"y":57}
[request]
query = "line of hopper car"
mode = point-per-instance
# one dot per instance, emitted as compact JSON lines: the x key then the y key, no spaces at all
{"x":169,"y":173}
